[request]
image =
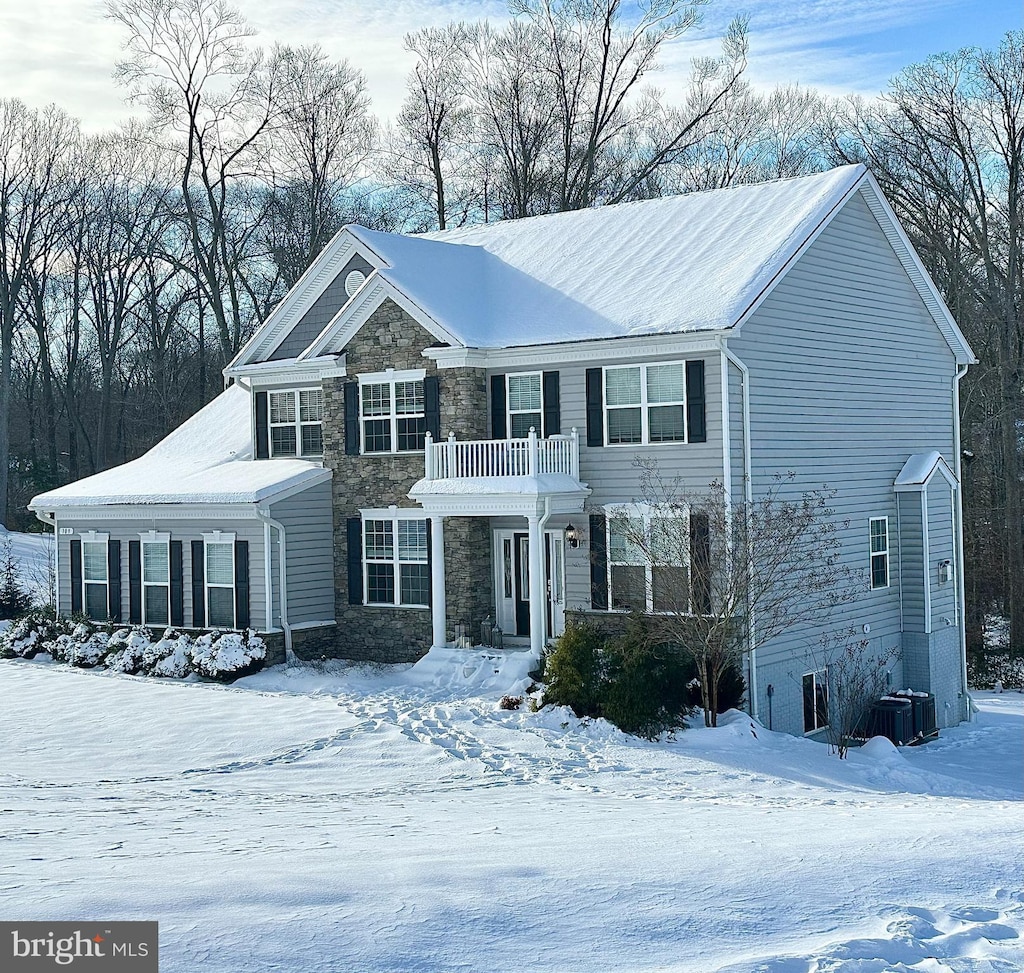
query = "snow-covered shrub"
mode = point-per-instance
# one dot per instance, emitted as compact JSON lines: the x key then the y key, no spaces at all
{"x":984,"y":670}
{"x":126,"y":647}
{"x":31,"y":634}
{"x":87,"y":649}
{"x":229,"y":656}
{"x":574,"y":669}
{"x":170,"y":656}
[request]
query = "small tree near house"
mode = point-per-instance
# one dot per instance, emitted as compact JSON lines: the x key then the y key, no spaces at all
{"x":14,"y":600}
{"x":856,"y":677}
{"x":718,"y":572}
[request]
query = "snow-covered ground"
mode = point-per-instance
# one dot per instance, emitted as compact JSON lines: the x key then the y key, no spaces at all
{"x":32,"y":554}
{"x":359,"y":820}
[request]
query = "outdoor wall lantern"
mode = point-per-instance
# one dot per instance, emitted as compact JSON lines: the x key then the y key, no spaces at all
{"x":572,"y":535}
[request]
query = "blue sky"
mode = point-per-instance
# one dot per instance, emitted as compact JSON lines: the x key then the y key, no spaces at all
{"x":64,"y":50}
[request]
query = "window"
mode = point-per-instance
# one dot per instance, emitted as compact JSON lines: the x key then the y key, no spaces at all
{"x":296,"y":422}
{"x":156,"y":579}
{"x":219,"y":554}
{"x":879,"y":531}
{"x":392,"y":414}
{"x":94,"y":578}
{"x":395,"y":565}
{"x":523,"y":401}
{"x":645,"y":404}
{"x":655,"y":580}
{"x":815,"y":687}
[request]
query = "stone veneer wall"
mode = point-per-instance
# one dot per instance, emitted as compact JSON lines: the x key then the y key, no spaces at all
{"x":390,"y":338}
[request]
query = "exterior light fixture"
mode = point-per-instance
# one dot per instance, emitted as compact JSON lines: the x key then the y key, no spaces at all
{"x":572,"y":535}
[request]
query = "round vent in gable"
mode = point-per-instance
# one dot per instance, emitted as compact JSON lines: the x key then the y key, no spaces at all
{"x":354,"y":281}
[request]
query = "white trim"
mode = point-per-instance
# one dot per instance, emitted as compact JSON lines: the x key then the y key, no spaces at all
{"x":225,"y":539}
{"x":392,"y":513}
{"x":815,"y":674}
{"x":290,"y":372}
{"x":303,"y":295}
{"x":644,"y":405}
{"x":347,"y":322}
{"x":872,"y":554}
{"x":644,"y":348}
{"x":392,"y":375}
{"x":396,"y":561}
{"x":93,"y":536}
{"x":154,"y":538}
{"x":539,"y":411}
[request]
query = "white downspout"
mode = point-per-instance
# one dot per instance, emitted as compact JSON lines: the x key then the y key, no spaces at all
{"x":269,"y":522}
{"x":748,"y":495}
{"x":959,"y":536}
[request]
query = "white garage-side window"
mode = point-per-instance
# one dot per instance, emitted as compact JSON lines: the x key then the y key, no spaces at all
{"x":219,"y":575}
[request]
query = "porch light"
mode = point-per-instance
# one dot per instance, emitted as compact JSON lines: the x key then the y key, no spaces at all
{"x":572,"y":535}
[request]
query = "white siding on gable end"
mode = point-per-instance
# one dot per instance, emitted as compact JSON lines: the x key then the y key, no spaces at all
{"x":849,"y":376}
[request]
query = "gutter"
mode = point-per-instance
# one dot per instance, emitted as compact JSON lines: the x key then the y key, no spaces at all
{"x":748,"y":496}
{"x":270,"y":524}
{"x":959,"y":535}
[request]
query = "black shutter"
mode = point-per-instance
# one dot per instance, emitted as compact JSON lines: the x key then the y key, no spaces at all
{"x":598,"y":562}
{"x":76,"y":577}
{"x":355,"y":561}
{"x":432,"y":405}
{"x":595,"y":407}
{"x":114,"y":580}
{"x":177,"y":585}
{"x":499,"y":429}
{"x":134,"y":582}
{"x":700,"y":563}
{"x":242,"y":584}
{"x":695,"y":411}
{"x":351,"y":418}
{"x":198,"y":585}
{"x":552,"y":406}
{"x":262,"y":426}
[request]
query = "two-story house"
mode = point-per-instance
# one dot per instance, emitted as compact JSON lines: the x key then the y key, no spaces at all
{"x":430,"y":430}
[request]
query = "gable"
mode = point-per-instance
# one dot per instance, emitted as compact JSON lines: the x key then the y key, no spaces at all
{"x":324,"y":308}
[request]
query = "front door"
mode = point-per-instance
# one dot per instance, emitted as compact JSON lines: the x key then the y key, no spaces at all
{"x":512,"y":582}
{"x":521,"y":542}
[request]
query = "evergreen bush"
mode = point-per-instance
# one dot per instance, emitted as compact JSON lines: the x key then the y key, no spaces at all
{"x":573,"y":670}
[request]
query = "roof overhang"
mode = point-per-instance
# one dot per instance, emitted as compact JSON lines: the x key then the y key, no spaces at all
{"x":920,"y":469}
{"x":290,"y":370}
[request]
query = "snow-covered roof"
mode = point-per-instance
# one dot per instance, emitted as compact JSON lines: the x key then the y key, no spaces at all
{"x":920,"y":468}
{"x":207,"y":459}
{"x":676,"y":264}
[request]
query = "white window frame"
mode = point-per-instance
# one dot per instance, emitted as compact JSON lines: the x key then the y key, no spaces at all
{"x":644,"y":405}
{"x":154,"y":537}
{"x":510,"y":412}
{"x":872,"y":553}
{"x":297,"y":423}
{"x":394,"y":516}
{"x":820,"y":678}
{"x":391,"y":377}
{"x":646,"y":514}
{"x":95,"y":537}
{"x":218,"y":537}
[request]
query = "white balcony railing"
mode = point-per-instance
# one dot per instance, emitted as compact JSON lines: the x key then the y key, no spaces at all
{"x":532,"y":456}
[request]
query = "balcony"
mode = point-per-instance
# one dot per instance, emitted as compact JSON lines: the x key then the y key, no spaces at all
{"x":496,"y":476}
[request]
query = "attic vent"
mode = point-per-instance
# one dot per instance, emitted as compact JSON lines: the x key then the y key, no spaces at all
{"x":354,"y":281}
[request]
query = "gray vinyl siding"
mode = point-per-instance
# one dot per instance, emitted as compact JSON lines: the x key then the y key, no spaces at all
{"x":610,"y":471}
{"x":849,"y":377}
{"x":307,"y":520}
{"x":245,"y":529}
{"x":332,"y":300}
{"x":940,"y":548}
{"x":911,"y":559}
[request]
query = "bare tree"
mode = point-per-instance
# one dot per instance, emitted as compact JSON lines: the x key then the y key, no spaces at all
{"x":719,"y":572}
{"x":190,"y":65}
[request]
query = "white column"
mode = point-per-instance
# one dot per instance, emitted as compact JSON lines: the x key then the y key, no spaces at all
{"x":438,"y":607}
{"x":537,"y":613}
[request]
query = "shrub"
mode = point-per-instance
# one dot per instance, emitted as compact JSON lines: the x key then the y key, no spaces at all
{"x":32,"y":633}
{"x":126,"y":649}
{"x":573,"y":670}
{"x":984,"y":669}
{"x":645,"y":691}
{"x":227,"y":657}
{"x":169,"y":657}
{"x":732,"y":688}
{"x":510,"y":702}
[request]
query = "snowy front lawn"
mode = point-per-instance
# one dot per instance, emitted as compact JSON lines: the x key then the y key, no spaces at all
{"x":353,"y":820}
